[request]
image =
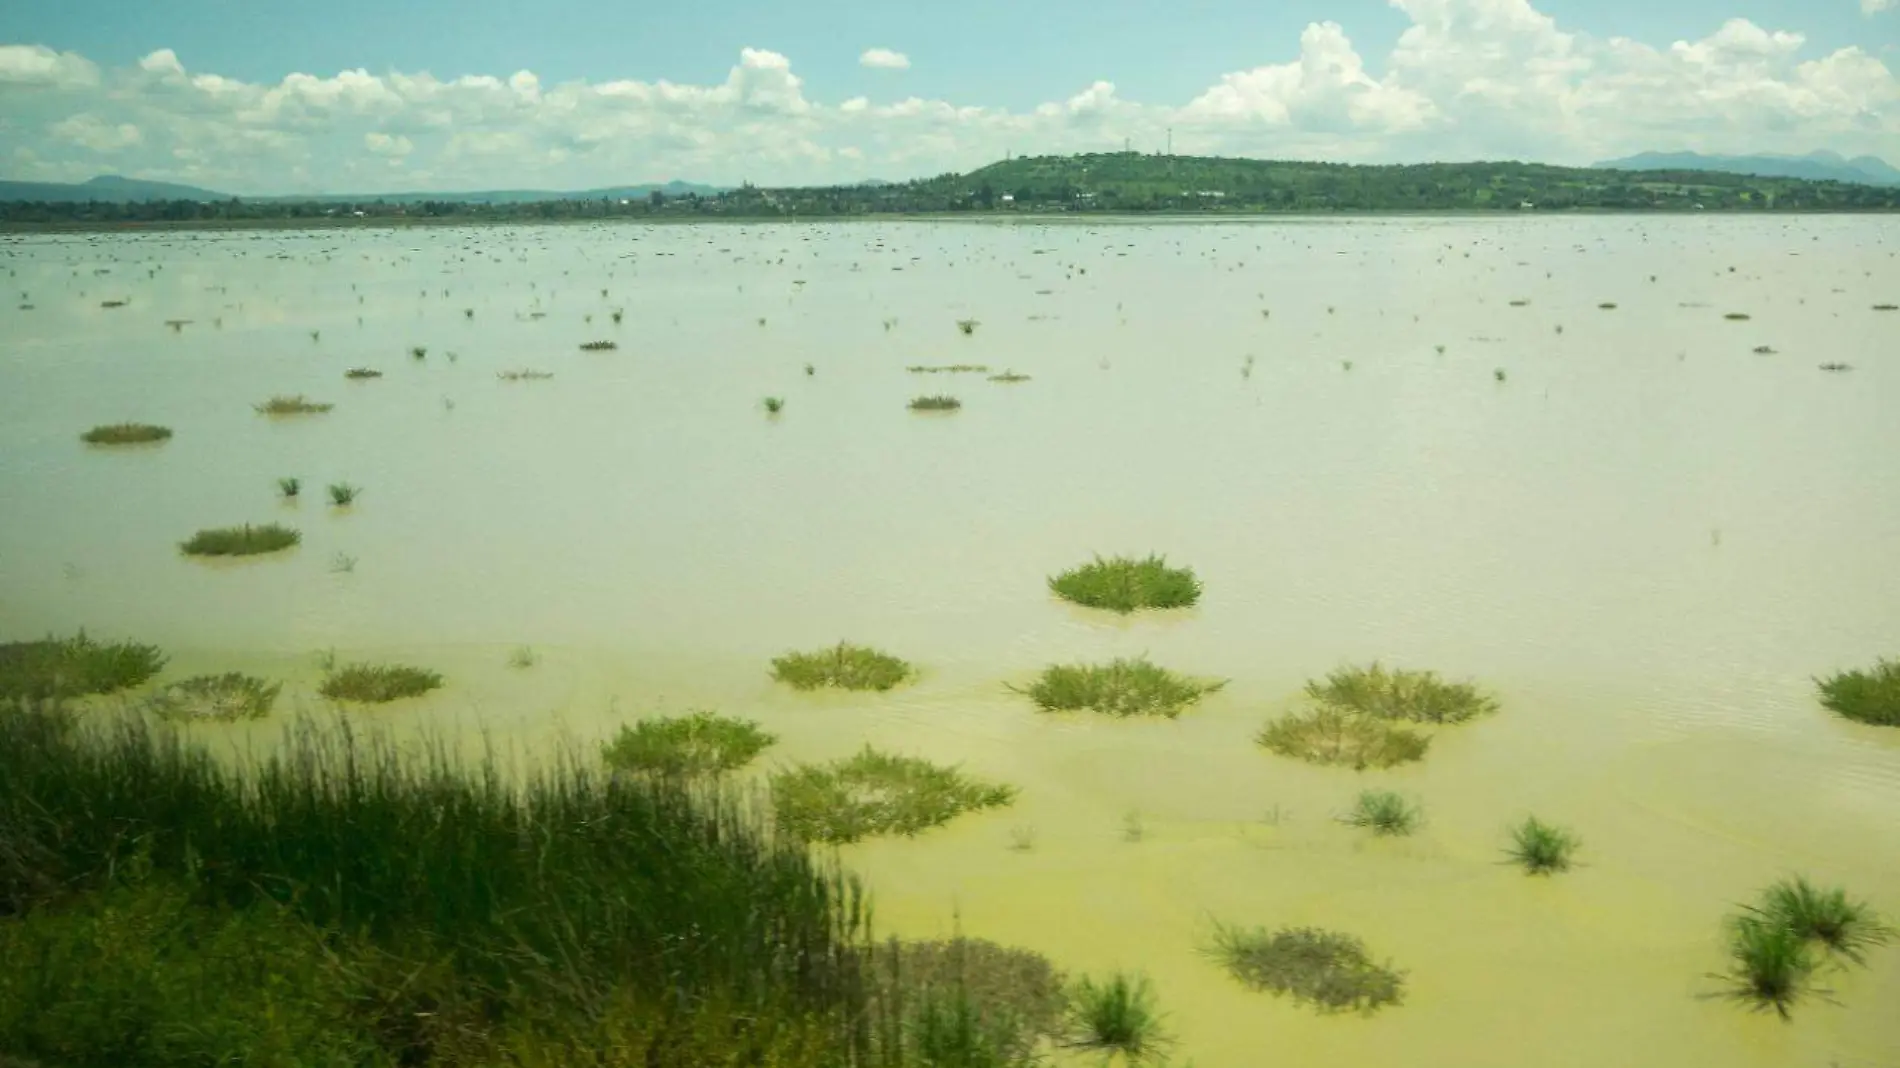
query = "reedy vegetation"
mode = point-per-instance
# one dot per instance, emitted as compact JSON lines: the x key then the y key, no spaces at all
{"x":1384,"y":813}
{"x":1540,"y":848}
{"x":377,"y":683}
{"x":1119,"y":688}
{"x":1117,"y":1015}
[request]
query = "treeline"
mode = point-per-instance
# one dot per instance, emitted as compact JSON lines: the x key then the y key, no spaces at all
{"x":1112,"y":182}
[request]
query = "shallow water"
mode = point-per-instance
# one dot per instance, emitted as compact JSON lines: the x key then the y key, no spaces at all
{"x":1645,"y":539}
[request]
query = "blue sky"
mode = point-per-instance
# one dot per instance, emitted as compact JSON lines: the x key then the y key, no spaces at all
{"x":1365,"y":79}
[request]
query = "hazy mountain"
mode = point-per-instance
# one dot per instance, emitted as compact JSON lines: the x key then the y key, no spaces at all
{"x":121,"y":190}
{"x":106,"y":187}
{"x":1815,"y":166}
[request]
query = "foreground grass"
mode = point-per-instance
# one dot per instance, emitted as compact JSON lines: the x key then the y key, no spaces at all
{"x":876,"y":793}
{"x":73,"y":667}
{"x":1124,"y":584}
{"x":699,"y":743}
{"x":1334,"y":736}
{"x":246,"y":540}
{"x":1417,"y":696}
{"x":346,"y":903}
{"x":126,"y":434}
{"x":1871,"y":696}
{"x":377,"y":683}
{"x":843,"y":666}
{"x":1326,"y":969}
{"x":1118,"y":688}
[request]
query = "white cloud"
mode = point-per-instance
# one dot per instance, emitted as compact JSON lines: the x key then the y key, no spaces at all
{"x":1465,"y":79}
{"x":884,"y":59}
{"x":1875,"y":7}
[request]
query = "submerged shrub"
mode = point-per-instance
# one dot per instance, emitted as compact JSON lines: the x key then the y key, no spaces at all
{"x":964,"y":326}
{"x":699,"y":743}
{"x":75,"y":666}
{"x":1327,"y":969}
{"x":1116,"y":1016}
{"x":1119,"y":688}
{"x":126,"y":434}
{"x":1541,"y":848}
{"x":876,"y":793}
{"x":935,"y":403}
{"x":1014,"y":997}
{"x":1334,"y":736}
{"x":1843,"y":927}
{"x":246,"y":540}
{"x":843,"y":666}
{"x":377,"y":683}
{"x":1418,"y":696}
{"x":230,"y":696}
{"x":1123,"y":584}
{"x":1384,"y":813}
{"x":1870,"y":696}
{"x":288,"y":405}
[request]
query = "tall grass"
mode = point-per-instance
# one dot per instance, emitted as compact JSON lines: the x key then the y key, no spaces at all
{"x":1840,"y":925}
{"x":935,"y":403}
{"x":377,"y":683}
{"x":1384,"y":813}
{"x":1124,"y":584}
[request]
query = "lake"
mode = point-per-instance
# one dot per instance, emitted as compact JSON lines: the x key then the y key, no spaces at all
{"x":1415,"y":440}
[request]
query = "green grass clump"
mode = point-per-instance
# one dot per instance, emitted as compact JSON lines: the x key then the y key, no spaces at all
{"x":342,"y":494}
{"x":75,"y":666}
{"x":875,"y":793}
{"x":1326,"y":969}
{"x":230,"y":696}
{"x":525,"y":374}
{"x":289,"y":488}
{"x":1116,"y":1016}
{"x":1843,"y":927}
{"x":774,"y":405}
{"x":948,"y":369}
{"x":288,"y":405}
{"x":1541,"y":848}
{"x":1418,"y":696}
{"x":1013,"y":997}
{"x":1384,"y":813}
{"x":126,"y":434}
{"x":362,"y":373}
{"x":1871,"y":696}
{"x":246,"y":540}
{"x":1770,"y":966}
{"x":377,"y":683}
{"x":1009,"y":377}
{"x":1736,"y":317}
{"x":1119,"y":688}
{"x":964,"y":326}
{"x":598,"y":346}
{"x":1123,"y":584}
{"x":935,"y":403}
{"x":843,"y":666}
{"x":699,"y":743}
{"x":1335,"y":736}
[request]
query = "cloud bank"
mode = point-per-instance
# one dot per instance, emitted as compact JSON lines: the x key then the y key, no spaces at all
{"x":1466,"y":79}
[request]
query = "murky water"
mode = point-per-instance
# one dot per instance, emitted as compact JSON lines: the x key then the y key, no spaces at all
{"x":1645,"y":538}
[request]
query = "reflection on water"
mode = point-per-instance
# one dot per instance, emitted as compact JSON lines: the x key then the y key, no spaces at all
{"x":1646,"y":538}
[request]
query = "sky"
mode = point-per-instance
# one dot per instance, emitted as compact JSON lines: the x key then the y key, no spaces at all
{"x":270,"y":97}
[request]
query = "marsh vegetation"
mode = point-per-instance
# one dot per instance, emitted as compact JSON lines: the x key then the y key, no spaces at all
{"x":126,"y":434}
{"x":1116,"y":1016}
{"x":292,"y":405}
{"x":1122,"y":687}
{"x":1777,"y":945}
{"x":599,"y":346}
{"x":875,"y":793}
{"x":1415,"y":696}
{"x":524,"y":374}
{"x":949,"y":369}
{"x":246,"y":540}
{"x":230,"y":696}
{"x":843,"y":666}
{"x":698,"y":743}
{"x":1124,"y":584}
{"x":360,"y":373}
{"x":935,"y":403}
{"x":1384,"y":813}
{"x":1540,"y":848}
{"x":1009,"y":377}
{"x":377,"y":683}
{"x":289,"y":487}
{"x":342,"y":494}
{"x":1865,"y":696}
{"x":1334,"y":736}
{"x":1328,"y":970}
{"x":73,"y":667}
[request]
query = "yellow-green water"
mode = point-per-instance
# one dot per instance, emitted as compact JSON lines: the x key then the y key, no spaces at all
{"x":1645,"y":540}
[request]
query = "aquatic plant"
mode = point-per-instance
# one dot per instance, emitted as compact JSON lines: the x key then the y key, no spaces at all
{"x":875,"y":793}
{"x":1329,"y":970}
{"x":1499,"y":372}
{"x":1519,"y":303}
{"x":1887,"y":307}
{"x":1022,"y":838}
{"x":949,"y":369}
{"x":360,"y":373}
{"x":1124,"y":687}
{"x":1384,"y":813}
{"x":1540,"y":848}
{"x":289,"y":405}
{"x":113,"y":303}
{"x":525,"y":374}
{"x":418,"y":352}
{"x":1837,"y":367}
{"x":246,"y":540}
{"x":1770,"y":966}
{"x":774,"y":405}
{"x":523,"y":658}
{"x":71,"y":667}
{"x":936,"y":403}
{"x":1117,"y":1015}
{"x":126,"y":434}
{"x":1335,"y":736}
{"x":1418,"y":696}
{"x":698,"y":743}
{"x":965,"y":326}
{"x":1737,"y":317}
{"x":843,"y":666}
{"x":1013,"y":997}
{"x":1607,"y":305}
{"x":1764,"y":350}
{"x":1009,"y":377}
{"x":1870,"y":696}
{"x":343,"y":564}
{"x":810,"y":370}
{"x":468,"y":313}
{"x":289,"y":488}
{"x":618,"y":315}
{"x":598,"y":346}
{"x":1123,"y":584}
{"x":342,"y":494}
{"x":377,"y":683}
{"x":1843,"y":927}
{"x":230,"y":696}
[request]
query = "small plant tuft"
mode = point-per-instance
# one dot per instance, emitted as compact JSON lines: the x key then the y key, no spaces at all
{"x":1384,"y":813}
{"x":843,"y":666}
{"x":1009,"y":377}
{"x":1418,"y":696}
{"x":377,"y":683}
{"x":360,"y":373}
{"x":1737,"y":317}
{"x":1335,"y":736}
{"x":1123,"y":584}
{"x":1329,"y":970}
{"x":1837,"y":367}
{"x":964,"y":326}
{"x":525,"y":374}
{"x":227,"y":697}
{"x":126,"y":434}
{"x":699,"y":743}
{"x":599,"y":346}
{"x":523,"y":658}
{"x":876,"y":793}
{"x":342,"y":494}
{"x":288,"y":405}
{"x":1540,"y":848}
{"x":289,"y":488}
{"x":935,"y":403}
{"x":419,"y":352}
{"x":1119,"y":688}
{"x":246,"y":540}
{"x":1843,"y":927}
{"x":1770,"y":966}
{"x":774,"y":405}
{"x":1116,"y":1016}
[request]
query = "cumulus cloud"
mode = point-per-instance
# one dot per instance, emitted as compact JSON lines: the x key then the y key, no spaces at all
{"x":1463,"y":79}
{"x":884,"y":59}
{"x":1875,"y":7}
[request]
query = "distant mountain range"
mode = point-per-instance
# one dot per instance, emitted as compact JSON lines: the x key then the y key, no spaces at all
{"x":117,"y":190}
{"x":1815,"y":166}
